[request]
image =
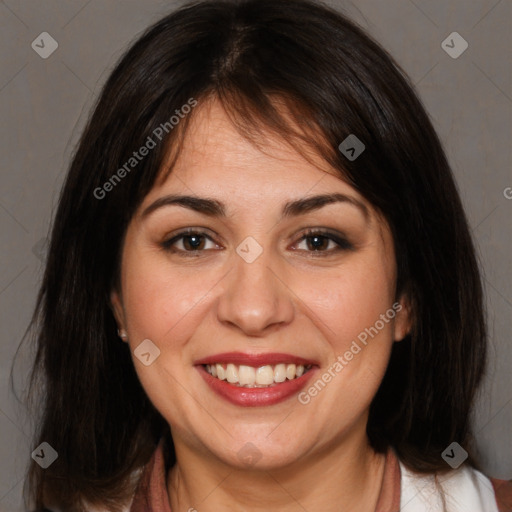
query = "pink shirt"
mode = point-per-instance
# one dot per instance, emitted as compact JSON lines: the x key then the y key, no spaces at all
{"x":151,"y":494}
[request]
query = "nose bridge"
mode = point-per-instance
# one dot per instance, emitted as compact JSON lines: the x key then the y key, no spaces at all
{"x":254,"y":297}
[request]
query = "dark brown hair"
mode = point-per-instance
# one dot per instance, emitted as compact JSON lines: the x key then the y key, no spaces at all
{"x":335,"y":80}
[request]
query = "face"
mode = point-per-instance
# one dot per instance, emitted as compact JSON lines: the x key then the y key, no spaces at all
{"x":294,"y":306}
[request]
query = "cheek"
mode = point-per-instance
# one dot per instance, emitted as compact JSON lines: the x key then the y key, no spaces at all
{"x":165,"y":307}
{"x":348,"y":308}
{"x":350,"y":300}
{"x":160,"y":300}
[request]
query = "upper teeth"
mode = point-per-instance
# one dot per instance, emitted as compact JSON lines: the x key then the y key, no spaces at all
{"x":249,"y":376}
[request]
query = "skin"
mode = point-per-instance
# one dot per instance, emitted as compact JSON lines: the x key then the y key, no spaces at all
{"x":291,"y":299}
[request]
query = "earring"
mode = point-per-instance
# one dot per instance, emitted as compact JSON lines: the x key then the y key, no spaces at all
{"x":122,"y":334}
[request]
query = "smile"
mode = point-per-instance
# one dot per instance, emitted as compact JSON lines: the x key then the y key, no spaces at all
{"x":260,"y":377}
{"x":256,"y":380}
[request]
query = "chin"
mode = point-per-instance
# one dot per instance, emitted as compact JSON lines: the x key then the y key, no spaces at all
{"x":263,"y":455}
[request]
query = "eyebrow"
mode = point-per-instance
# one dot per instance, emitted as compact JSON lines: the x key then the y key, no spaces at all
{"x":215,"y":208}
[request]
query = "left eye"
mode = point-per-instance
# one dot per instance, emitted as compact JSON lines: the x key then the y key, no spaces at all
{"x":319,"y":242}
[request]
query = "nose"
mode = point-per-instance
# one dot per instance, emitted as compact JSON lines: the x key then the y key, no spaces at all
{"x":255,"y":297}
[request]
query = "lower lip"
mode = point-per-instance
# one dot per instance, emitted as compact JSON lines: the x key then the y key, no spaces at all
{"x":253,"y":397}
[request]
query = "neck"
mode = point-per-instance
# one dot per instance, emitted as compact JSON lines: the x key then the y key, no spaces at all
{"x":346,"y":476}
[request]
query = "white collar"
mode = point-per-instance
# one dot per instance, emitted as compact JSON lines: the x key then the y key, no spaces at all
{"x":466,"y":489}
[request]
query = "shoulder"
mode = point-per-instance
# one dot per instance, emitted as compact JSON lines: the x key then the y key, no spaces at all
{"x":503,"y":492}
{"x":463,"y":489}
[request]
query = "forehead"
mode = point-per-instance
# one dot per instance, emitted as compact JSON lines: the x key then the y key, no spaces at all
{"x":254,"y":183}
{"x":215,"y":158}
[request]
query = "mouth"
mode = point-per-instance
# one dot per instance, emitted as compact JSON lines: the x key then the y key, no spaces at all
{"x":256,"y":377}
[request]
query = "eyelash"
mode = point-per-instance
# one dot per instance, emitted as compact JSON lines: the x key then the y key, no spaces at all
{"x":342,"y":243}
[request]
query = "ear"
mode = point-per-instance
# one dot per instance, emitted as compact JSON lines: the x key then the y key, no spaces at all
{"x":117,"y":308}
{"x":403,"y":319}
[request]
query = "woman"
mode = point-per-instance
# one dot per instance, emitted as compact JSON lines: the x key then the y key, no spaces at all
{"x":260,"y":209}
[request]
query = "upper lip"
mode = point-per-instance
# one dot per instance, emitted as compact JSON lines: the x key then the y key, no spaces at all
{"x":255,"y":360}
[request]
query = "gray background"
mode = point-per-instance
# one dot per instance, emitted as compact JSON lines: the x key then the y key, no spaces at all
{"x":44,"y":104}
